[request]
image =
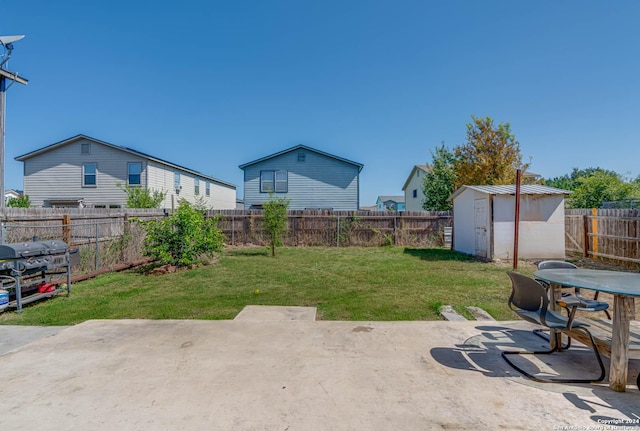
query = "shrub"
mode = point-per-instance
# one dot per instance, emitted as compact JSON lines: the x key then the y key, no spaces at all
{"x":275,"y":220}
{"x":139,"y":197}
{"x":21,"y":201}
{"x":183,"y":238}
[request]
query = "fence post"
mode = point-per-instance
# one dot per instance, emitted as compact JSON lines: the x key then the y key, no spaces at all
{"x":126,"y":229}
{"x":3,"y":233}
{"x":97,"y":248}
{"x":338,"y":231}
{"x":233,"y":229}
{"x":395,"y":230}
{"x":594,"y":229}
{"x":585,"y":236}
{"x":66,"y":228}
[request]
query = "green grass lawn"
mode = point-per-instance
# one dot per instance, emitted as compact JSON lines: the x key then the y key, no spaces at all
{"x":384,"y":283}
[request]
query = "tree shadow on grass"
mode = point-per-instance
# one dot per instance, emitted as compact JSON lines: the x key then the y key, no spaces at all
{"x":435,"y":254}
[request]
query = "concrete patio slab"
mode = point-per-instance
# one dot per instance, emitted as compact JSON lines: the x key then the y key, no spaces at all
{"x":298,"y":375}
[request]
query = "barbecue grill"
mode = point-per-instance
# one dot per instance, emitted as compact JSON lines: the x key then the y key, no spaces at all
{"x":31,"y":263}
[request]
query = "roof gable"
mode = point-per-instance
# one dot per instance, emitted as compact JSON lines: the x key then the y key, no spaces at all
{"x":423,"y":168}
{"x":302,"y":147}
{"x":76,"y":138}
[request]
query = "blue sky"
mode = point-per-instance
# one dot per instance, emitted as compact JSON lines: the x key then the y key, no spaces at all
{"x":214,"y":84}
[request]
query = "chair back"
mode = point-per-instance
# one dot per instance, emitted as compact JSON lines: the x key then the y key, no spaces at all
{"x":527,"y":293}
{"x":555,"y":264}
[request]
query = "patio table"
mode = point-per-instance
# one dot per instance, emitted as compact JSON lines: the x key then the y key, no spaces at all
{"x":624,"y":286}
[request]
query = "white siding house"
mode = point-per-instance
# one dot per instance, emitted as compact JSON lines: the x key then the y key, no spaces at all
{"x":83,"y":171}
{"x":11,"y":194}
{"x":309,"y":178}
{"x":413,"y":194}
{"x":484,"y":221}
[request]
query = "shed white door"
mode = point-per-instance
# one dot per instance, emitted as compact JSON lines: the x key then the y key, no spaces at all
{"x":480,"y":223}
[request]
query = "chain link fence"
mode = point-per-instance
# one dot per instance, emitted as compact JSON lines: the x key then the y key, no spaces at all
{"x":100,"y":244}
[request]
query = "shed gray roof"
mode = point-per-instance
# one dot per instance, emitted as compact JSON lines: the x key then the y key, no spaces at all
{"x":526,"y":189}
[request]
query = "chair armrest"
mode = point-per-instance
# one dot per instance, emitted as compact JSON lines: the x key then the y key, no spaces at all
{"x":570,"y":301}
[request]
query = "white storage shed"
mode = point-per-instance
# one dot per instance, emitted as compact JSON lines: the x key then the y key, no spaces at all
{"x":483,"y":221}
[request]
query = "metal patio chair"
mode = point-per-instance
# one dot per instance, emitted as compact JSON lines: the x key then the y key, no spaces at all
{"x":591,"y":304}
{"x":529,"y":299}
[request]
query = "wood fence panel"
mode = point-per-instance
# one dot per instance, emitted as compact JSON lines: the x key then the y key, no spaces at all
{"x":609,"y":233}
{"x":339,"y":228}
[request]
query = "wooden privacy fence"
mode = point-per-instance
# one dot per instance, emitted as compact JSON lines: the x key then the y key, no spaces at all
{"x":608,"y":233}
{"x":340,"y":228}
{"x":304,"y":228}
{"x":106,"y":237}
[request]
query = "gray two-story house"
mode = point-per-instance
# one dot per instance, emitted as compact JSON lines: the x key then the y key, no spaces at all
{"x":308,"y":178}
{"x":85,"y":172}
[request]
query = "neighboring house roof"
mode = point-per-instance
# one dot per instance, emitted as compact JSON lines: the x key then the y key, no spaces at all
{"x":423,"y":168}
{"x":51,"y":147}
{"x":303,"y":147}
{"x":527,"y":174}
{"x":397,"y":199}
{"x":527,"y":189}
{"x":369,"y":208}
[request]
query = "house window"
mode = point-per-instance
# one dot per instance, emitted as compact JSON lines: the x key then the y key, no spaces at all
{"x":134,"y":171}
{"x":176,"y":181}
{"x":301,"y":157}
{"x":89,"y":174}
{"x":415,"y":193}
{"x":85,"y":148}
{"x":207,"y":190}
{"x":196,"y":188}
{"x":274,"y":181}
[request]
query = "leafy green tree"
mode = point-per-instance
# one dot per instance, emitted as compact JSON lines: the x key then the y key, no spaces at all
{"x":490,"y":156}
{"x":21,"y":201}
{"x":140,"y":197}
{"x":599,"y":187}
{"x":593,"y":186}
{"x":185,"y":237}
{"x":571,"y":181}
{"x":274,"y":211}
{"x":439,"y":181}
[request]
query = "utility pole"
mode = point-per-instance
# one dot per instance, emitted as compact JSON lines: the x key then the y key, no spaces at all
{"x":7,"y":43}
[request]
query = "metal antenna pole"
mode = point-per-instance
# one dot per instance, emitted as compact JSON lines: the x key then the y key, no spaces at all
{"x":3,"y":102}
{"x":7,"y":43}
